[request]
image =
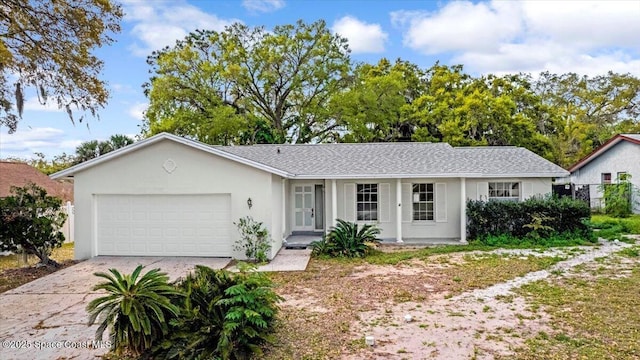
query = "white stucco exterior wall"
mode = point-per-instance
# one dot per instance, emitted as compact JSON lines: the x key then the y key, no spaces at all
{"x":196,"y":172}
{"x":622,"y":157}
{"x":528,"y":187}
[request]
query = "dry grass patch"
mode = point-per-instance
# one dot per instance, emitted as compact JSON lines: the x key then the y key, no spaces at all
{"x":322,"y":314}
{"x":12,"y":274}
{"x":595,"y":316}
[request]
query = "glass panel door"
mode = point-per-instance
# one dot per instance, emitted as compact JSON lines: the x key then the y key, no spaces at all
{"x":303,"y":207}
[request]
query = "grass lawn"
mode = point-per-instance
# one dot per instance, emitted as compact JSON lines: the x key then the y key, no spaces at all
{"x":611,"y":228}
{"x":12,"y":274}
{"x":320,"y":317}
{"x":594,"y":315}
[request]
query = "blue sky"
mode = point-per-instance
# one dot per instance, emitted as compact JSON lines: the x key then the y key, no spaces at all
{"x":586,"y":37}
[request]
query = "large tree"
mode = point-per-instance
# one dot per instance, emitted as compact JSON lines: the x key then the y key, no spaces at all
{"x":375,"y":107}
{"x":490,"y":110}
{"x":590,"y":109}
{"x":246,"y":85}
{"x":47,"y":46}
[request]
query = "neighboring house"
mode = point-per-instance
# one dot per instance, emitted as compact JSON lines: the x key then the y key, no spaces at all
{"x":19,"y":174}
{"x":618,"y":157}
{"x":168,"y":195}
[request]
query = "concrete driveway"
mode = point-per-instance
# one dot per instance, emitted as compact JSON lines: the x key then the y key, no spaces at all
{"x":46,"y":318}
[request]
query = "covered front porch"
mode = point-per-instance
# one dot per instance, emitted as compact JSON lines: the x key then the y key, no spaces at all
{"x":312,"y":207}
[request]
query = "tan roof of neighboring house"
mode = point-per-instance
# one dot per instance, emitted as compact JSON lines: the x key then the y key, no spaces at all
{"x":20,"y":174}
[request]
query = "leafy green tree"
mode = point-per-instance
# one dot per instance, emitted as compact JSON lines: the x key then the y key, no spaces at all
{"x":375,"y":106}
{"x":136,"y":309}
{"x":272,"y":86}
{"x":590,"y":109}
{"x":462,"y":110}
{"x":48,"y":46}
{"x":58,"y":163}
{"x":189,"y":95}
{"x":30,"y":221}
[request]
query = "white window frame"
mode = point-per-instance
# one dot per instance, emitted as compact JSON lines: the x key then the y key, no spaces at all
{"x":602,"y":178}
{"x":367,"y":202}
{"x":504,"y":190}
{"x":420,"y":202}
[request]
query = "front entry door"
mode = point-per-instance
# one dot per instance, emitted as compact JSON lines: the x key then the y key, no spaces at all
{"x":303,"y":197}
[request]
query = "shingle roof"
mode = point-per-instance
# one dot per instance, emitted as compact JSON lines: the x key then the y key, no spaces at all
{"x":20,"y":174}
{"x":397,"y":159}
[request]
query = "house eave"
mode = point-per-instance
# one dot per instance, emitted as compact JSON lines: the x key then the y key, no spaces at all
{"x":437,"y":176}
{"x":67,"y":173}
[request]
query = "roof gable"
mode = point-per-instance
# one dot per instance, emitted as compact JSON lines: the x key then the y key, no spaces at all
{"x":153,"y":140}
{"x":632,"y":138}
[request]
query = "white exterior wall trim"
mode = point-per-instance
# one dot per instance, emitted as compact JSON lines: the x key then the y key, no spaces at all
{"x":165,"y":136}
{"x":421,"y":176}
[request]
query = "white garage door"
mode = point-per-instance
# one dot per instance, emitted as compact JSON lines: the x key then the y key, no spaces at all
{"x":164,"y":225}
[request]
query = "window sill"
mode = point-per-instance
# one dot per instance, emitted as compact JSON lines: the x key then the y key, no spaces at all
{"x":423,"y":222}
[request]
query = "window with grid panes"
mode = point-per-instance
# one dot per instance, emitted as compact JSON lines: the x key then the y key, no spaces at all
{"x":423,"y":204}
{"x":367,"y":202}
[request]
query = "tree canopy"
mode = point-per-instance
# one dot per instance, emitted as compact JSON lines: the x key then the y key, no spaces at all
{"x":297,"y":84}
{"x":47,"y":46}
{"x":248,"y":85}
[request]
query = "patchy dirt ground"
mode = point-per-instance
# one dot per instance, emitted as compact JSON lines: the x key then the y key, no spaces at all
{"x":461,"y":305}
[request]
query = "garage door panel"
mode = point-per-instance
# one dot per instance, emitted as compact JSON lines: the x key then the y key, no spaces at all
{"x":164,"y":225}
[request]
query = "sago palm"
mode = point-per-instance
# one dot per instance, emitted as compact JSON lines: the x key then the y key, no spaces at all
{"x":349,"y":240}
{"x":136,"y":309}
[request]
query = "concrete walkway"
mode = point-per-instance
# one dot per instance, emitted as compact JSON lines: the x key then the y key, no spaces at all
{"x":286,"y":260}
{"x":46,"y":318}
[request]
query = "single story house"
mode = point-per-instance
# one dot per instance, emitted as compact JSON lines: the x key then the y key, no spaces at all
{"x":618,"y":158}
{"x":171,"y":196}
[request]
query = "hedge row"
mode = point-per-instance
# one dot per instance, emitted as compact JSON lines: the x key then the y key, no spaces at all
{"x":537,"y":217}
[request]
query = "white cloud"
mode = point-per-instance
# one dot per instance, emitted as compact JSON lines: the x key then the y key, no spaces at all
{"x":586,"y":37}
{"x":460,"y":26}
{"x":34,"y":104}
{"x":137,"y":110}
{"x":363,"y":37}
{"x":162,"y":24}
{"x":24,"y":142}
{"x":256,"y":6}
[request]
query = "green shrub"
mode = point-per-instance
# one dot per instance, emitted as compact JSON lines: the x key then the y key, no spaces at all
{"x":223,"y":316}
{"x":347,"y":240}
{"x":532,"y":220}
{"x":136,"y":309}
{"x":618,"y":197}
{"x":30,"y":221}
{"x":255,"y":240}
